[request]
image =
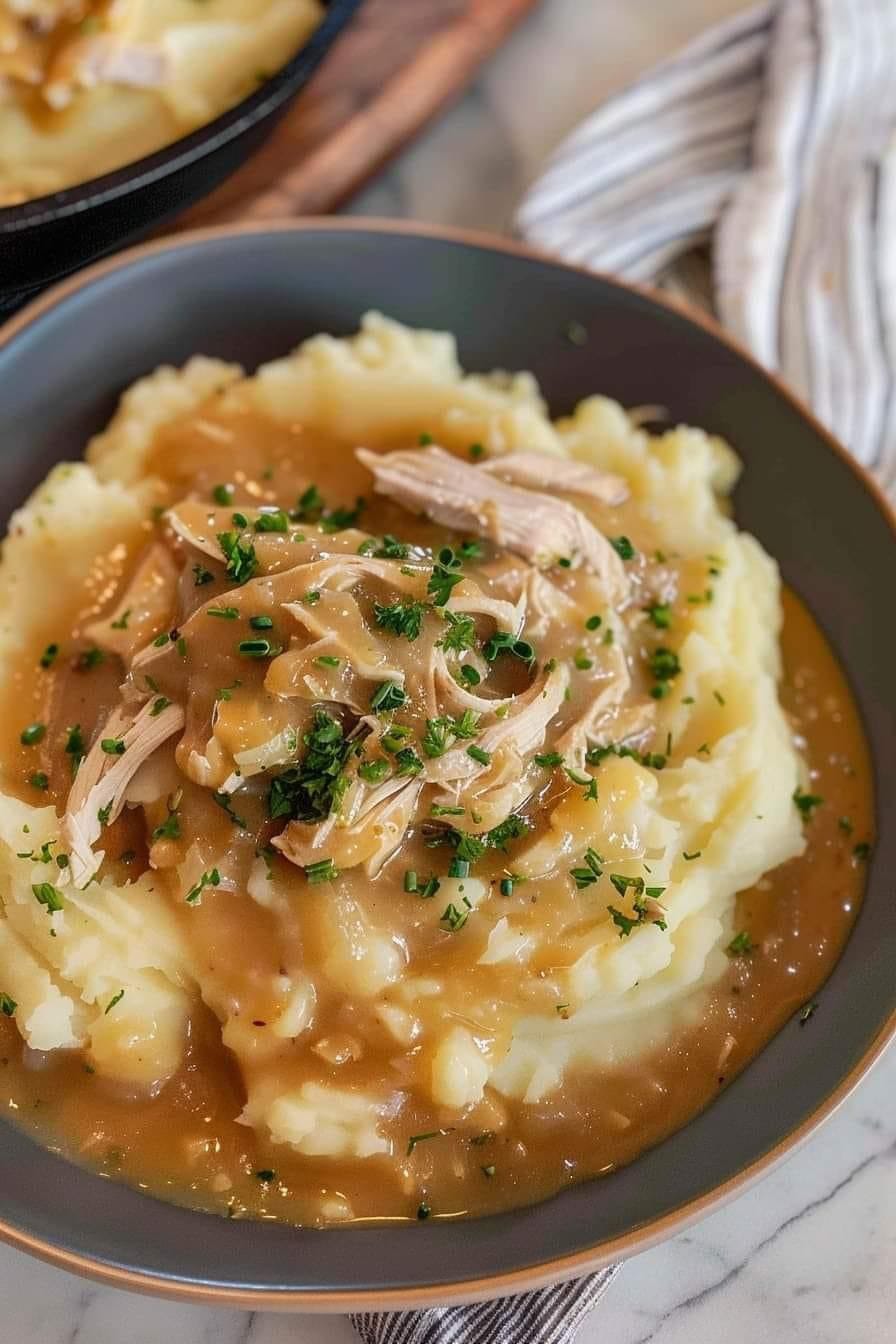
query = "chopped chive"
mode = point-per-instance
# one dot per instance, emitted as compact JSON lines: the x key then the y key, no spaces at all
{"x":623,"y":548}
{"x":116,"y":998}
{"x":593,"y":623}
{"x":324,"y":870}
{"x":477,"y":754}
{"x":223,"y":495}
{"x":223,"y":613}
{"x":49,"y":655}
{"x":34,"y":733}
{"x":261,"y":622}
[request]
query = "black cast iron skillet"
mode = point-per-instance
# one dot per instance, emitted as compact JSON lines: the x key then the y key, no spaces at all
{"x":251,"y":295}
{"x":47,"y":238}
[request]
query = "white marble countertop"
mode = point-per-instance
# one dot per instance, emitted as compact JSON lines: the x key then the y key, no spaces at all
{"x":809,"y":1254}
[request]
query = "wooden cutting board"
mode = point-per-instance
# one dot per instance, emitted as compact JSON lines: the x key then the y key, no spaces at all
{"x":398,"y":63}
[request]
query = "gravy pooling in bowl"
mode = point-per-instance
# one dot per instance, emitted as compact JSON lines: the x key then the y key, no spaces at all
{"x":384,"y":1002}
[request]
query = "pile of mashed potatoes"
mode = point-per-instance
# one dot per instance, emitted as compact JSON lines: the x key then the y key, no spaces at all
{"x":657,"y":783}
{"x":87,"y":86}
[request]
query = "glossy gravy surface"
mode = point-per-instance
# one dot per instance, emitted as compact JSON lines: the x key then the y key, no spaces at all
{"x":184,"y":1143}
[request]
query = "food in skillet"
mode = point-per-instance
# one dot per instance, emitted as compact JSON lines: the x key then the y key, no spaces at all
{"x":87,"y":86}
{"x":406,"y":810}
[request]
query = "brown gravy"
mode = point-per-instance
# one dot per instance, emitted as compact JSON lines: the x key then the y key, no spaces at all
{"x":185,"y":1145}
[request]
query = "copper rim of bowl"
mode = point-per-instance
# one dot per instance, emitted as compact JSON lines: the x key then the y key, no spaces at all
{"x":550,"y":1270}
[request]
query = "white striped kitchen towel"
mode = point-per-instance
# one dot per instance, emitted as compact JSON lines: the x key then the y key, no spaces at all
{"x":774,"y":135}
{"x":546,"y":1316}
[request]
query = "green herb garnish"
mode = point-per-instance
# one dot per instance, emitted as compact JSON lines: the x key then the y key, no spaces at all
{"x":210,"y":879}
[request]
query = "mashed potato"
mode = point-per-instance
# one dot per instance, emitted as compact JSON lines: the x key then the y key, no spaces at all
{"x":633,"y":736}
{"x":88,"y":87}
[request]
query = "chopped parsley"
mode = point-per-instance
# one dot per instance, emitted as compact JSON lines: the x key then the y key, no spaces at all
{"x":210,"y":879}
{"x":591,"y":870}
{"x":324,"y":870}
{"x":103,"y":814}
{"x":548,"y":759}
{"x":122,"y":622}
{"x":442,"y":581}
{"x":90,"y":658}
{"x":511,"y":828}
{"x":170,"y":827}
{"x":113,"y":746}
{"x":116,"y":998}
{"x":461,"y":632}
{"x":47,"y":895}
{"x":387,"y":696}
{"x":624,"y":923}
{"x":34,"y":733}
{"x":407,"y":762}
{"x":470,"y":550}
{"x":39,"y":780}
{"x":503,"y":642}
{"x":456,"y":916}
{"x":223,"y":613}
{"x":390,"y":548}
{"x":400,"y":618}
{"x":593,"y":623}
{"x":664,"y":664}
{"x":74,"y":745}
{"x":223,"y":801}
{"x":311,"y":598}
{"x":476,"y":451}
{"x":314,"y":787}
{"x":8,"y":1005}
{"x":373,"y":772}
{"x":660,"y":615}
{"x":242,"y":562}
{"x":223,"y":495}
{"x":623,"y":548}
{"x":806,"y":802}
{"x":337,"y":520}
{"x":161,"y":702}
{"x":309,"y":507}
{"x":582,"y":661}
{"x":49,"y":655}
{"x":272,"y":520}
{"x":741,"y":945}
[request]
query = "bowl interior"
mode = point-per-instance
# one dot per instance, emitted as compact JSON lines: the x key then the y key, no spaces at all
{"x":251,"y":296}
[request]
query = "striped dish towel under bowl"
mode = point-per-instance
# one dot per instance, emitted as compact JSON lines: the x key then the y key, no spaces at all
{"x":771,"y":138}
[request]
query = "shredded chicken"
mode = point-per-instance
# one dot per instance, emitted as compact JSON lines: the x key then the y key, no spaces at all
{"x":540,"y":471}
{"x":99,"y":791}
{"x":460,"y":496}
{"x":100,"y":58}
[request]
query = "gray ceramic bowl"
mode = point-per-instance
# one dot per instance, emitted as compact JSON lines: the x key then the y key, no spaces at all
{"x":251,"y":295}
